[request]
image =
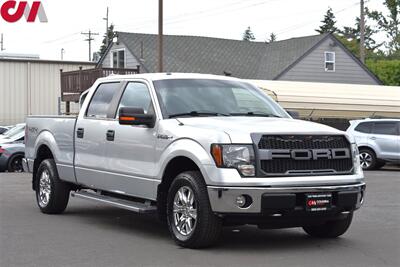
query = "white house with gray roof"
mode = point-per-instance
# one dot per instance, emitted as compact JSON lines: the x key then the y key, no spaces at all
{"x":318,"y":58}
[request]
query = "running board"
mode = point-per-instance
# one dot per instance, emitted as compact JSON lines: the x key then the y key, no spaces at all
{"x":116,"y":202}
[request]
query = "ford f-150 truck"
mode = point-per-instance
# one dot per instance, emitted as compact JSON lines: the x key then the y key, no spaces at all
{"x":202,"y":151}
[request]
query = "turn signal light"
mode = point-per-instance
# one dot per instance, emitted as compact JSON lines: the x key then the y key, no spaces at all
{"x":216,"y":151}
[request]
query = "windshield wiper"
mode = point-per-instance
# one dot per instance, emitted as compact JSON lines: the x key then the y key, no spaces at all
{"x":255,"y":114}
{"x":197,"y":114}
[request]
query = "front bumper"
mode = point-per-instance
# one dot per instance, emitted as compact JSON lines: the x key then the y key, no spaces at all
{"x":274,"y":200}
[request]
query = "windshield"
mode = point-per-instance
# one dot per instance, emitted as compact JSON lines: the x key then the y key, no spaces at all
{"x":207,"y":97}
{"x":14,"y":131}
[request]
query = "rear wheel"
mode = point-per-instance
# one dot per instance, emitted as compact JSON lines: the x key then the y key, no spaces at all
{"x":331,"y":229}
{"x":15,"y":163}
{"x":367,"y":159}
{"x":52,"y":194}
{"x":191,"y":221}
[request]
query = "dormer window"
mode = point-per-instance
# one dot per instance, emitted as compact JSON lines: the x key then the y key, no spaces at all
{"x":330,"y":61}
{"x":118,"y":59}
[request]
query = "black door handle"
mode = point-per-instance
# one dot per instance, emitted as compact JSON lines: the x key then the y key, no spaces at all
{"x":110,"y":135}
{"x":80,"y":132}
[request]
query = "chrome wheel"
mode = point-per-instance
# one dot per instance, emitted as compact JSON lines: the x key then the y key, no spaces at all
{"x":185,"y":211}
{"x":365,"y":160}
{"x":44,"y":189}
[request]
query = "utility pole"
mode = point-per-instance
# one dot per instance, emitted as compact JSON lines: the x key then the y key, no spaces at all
{"x":160,"y":35}
{"x":62,"y":53}
{"x":362,"y":32}
{"x":89,"y":40}
{"x":106,"y":19}
{"x":2,"y":43}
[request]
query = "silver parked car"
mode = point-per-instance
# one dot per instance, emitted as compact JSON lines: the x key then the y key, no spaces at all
{"x":378,"y":141}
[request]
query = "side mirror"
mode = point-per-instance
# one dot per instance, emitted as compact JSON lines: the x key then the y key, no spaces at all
{"x":135,"y":116}
{"x":293,"y":114}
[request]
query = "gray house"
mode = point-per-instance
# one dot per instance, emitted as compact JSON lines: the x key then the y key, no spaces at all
{"x":319,"y":58}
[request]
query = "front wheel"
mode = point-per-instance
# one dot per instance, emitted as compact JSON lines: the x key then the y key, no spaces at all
{"x":331,"y":229}
{"x":52,"y":194}
{"x":191,"y":221}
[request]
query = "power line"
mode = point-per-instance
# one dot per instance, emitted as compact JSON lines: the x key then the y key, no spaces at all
{"x":197,"y":15}
{"x":301,"y":25}
{"x":60,"y":38}
{"x":89,"y":34}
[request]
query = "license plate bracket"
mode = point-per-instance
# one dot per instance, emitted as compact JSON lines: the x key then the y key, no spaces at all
{"x":316,"y":202}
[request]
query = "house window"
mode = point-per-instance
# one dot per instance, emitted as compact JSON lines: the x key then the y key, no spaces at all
{"x":330,"y":61}
{"x":118,"y":59}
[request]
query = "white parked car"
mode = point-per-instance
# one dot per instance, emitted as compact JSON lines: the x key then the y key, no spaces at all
{"x":378,"y":141}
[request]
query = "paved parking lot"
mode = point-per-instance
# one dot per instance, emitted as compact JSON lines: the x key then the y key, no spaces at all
{"x":89,"y":234}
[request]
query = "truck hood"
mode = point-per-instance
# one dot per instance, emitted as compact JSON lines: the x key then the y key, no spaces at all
{"x":240,"y":128}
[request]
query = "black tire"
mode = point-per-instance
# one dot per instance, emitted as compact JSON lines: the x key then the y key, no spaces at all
{"x":15,"y":163}
{"x":331,"y":229}
{"x":207,"y":226}
{"x":59,"y":190}
{"x":379,"y":165}
{"x":369,"y":157}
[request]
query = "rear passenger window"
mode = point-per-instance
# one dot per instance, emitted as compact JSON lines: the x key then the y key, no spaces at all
{"x":388,"y":128}
{"x":364,"y":127}
{"x":101,"y":100}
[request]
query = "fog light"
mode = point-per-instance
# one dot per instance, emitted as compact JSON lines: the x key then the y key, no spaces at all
{"x":241,"y":201}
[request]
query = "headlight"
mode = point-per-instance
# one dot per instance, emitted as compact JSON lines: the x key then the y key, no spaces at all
{"x":356,"y":158}
{"x":240,"y":157}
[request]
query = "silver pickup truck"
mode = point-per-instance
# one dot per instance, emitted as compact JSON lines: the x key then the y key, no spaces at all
{"x":202,"y":151}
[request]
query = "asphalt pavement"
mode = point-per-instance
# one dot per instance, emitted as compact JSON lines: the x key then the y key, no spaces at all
{"x":90,"y":234}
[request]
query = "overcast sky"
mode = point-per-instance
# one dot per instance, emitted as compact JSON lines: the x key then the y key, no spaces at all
{"x":223,"y":19}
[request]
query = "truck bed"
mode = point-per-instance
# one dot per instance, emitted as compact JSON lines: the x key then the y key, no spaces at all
{"x":57,"y":133}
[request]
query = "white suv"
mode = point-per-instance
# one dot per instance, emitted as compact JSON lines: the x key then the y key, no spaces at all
{"x":378,"y":141}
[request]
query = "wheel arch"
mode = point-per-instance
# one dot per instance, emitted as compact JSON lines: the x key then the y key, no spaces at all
{"x":367,"y":147}
{"x":174,"y":167}
{"x":43,"y":152}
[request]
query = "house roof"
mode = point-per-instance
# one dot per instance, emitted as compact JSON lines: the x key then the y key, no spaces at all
{"x":242,"y":59}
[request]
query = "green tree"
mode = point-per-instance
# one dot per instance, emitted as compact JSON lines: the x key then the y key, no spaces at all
{"x":390,"y":24}
{"x":328,"y":23}
{"x":111,"y":34}
{"x":272,"y":38}
{"x":388,"y":71}
{"x":354,"y":33}
{"x":248,"y":35}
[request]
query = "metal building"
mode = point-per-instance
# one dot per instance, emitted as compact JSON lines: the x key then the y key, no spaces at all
{"x":30,"y":86}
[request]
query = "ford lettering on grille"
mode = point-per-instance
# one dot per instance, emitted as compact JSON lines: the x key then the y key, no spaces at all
{"x":287,"y":155}
{"x":305,"y":154}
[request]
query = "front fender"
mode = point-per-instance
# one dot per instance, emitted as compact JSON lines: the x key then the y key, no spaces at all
{"x":186,"y":148}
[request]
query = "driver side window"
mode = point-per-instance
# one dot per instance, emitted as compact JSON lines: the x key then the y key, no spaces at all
{"x":137,"y":95}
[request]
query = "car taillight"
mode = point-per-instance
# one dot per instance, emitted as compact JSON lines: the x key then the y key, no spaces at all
{"x":1,"y":150}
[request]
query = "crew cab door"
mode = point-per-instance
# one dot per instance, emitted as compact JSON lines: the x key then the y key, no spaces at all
{"x":90,"y":137}
{"x":131,"y":152}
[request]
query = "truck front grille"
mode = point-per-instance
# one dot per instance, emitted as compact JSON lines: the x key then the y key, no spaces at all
{"x":286,"y":155}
